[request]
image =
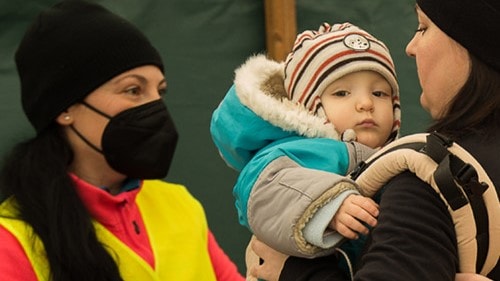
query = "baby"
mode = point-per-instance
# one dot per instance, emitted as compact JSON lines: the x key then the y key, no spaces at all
{"x":289,"y":129}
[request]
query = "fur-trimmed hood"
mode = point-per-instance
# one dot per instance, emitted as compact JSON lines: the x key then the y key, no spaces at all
{"x":259,"y":86}
{"x":256,"y":112}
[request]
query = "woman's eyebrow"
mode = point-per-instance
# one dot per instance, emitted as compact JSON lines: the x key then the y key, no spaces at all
{"x":136,"y":76}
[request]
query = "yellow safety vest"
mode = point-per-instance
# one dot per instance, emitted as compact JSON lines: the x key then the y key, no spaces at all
{"x":177,"y":229}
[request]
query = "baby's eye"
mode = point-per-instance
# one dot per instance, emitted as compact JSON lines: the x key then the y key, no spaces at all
{"x":340,"y":93}
{"x":380,"y":94}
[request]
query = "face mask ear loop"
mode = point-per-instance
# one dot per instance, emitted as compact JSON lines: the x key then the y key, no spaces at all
{"x":80,"y":135}
{"x":95,"y":109}
{"x":85,"y":140}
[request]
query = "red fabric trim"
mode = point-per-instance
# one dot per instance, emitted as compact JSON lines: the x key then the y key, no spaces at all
{"x":14,"y":264}
{"x":119,"y":214}
{"x":224,"y":268}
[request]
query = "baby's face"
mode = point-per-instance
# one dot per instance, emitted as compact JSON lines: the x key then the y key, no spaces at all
{"x":361,"y":101}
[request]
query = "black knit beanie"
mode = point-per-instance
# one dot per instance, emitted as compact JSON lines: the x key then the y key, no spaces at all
{"x":475,"y":24}
{"x":70,"y":50}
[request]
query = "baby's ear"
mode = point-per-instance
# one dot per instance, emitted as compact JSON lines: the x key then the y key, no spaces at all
{"x":348,"y":135}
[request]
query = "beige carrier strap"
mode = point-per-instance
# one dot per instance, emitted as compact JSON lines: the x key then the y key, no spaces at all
{"x":461,"y":183}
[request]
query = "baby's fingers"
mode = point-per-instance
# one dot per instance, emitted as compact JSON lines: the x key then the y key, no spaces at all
{"x":364,"y":216}
{"x":349,"y":227}
{"x":366,"y":204}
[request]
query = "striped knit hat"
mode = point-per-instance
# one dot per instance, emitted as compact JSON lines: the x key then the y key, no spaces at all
{"x":318,"y":58}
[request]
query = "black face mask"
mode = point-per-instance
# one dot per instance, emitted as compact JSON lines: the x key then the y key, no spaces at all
{"x":138,"y":142}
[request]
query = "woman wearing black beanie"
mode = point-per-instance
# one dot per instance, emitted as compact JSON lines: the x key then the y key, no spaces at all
{"x":456,"y":48}
{"x":83,"y":197}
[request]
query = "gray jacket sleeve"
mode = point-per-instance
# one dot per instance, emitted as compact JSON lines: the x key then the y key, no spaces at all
{"x":278,"y":215}
{"x":316,"y":229}
{"x":286,"y":198}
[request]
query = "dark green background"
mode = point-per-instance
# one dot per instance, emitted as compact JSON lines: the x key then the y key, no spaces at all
{"x":202,"y":42}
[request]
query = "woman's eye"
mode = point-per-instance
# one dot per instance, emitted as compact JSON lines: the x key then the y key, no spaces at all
{"x":421,"y":29}
{"x":162,"y":91}
{"x":133,"y":90}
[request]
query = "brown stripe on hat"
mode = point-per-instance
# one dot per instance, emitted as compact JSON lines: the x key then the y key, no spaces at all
{"x":317,"y":46}
{"x":315,"y":83}
{"x":306,"y":60}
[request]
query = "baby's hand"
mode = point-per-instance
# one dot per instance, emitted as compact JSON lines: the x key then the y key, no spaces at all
{"x":354,"y":210}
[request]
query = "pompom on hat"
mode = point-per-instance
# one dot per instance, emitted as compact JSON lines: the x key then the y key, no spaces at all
{"x":474,"y":24}
{"x":71,"y":49}
{"x":318,"y":58}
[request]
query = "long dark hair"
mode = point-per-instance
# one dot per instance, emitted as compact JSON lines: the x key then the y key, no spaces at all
{"x":476,"y":107}
{"x":35,"y":174}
